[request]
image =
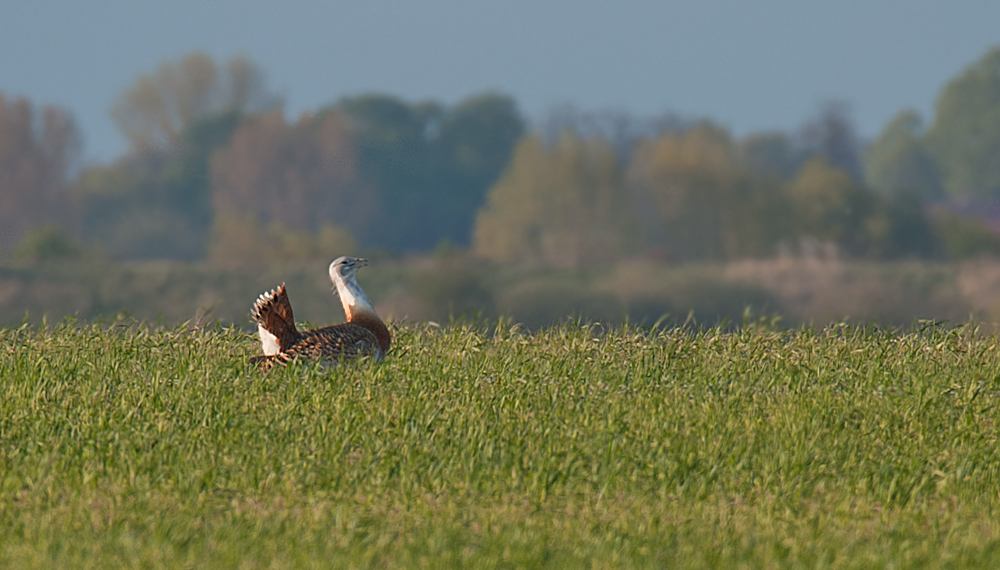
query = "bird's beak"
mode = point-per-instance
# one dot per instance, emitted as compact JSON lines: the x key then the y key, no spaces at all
{"x":362,"y":262}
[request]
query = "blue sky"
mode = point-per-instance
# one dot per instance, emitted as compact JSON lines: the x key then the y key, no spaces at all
{"x":767,"y":64}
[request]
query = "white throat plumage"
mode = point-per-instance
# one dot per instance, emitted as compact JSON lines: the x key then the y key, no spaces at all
{"x":351,"y":296}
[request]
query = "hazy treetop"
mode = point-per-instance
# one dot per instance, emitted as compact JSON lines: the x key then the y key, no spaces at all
{"x":157,"y":107}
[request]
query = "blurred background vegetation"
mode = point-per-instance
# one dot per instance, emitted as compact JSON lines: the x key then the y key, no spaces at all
{"x":472,"y":209}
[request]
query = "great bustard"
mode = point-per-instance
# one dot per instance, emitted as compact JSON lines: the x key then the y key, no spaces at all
{"x":364,"y":333}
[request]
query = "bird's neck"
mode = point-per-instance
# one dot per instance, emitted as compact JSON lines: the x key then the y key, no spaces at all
{"x":358,"y":309}
{"x":353,"y":299}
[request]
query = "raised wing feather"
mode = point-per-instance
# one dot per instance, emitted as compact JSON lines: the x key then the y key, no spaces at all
{"x":273,"y":312}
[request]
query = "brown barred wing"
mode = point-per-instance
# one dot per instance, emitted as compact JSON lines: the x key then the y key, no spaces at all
{"x":347,"y":341}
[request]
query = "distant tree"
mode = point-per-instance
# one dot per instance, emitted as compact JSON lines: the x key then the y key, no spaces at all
{"x":621,"y":129}
{"x":909,"y":232}
{"x":46,"y":243}
{"x":431,"y":164}
{"x":830,"y":206}
{"x":244,"y":240}
{"x":963,"y":236}
{"x":558,"y":206}
{"x":897,"y":162}
{"x":697,"y":199}
{"x":469,"y":152}
{"x":186,"y":176}
{"x":772,"y":154}
{"x":156,"y":204}
{"x":155,"y":110}
{"x":37,"y":150}
{"x":393,"y":155}
{"x":831,"y":134}
{"x":965,"y":136}
{"x":302,"y":176}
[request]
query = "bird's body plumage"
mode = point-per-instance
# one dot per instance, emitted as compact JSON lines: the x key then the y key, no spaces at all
{"x":363,"y":335}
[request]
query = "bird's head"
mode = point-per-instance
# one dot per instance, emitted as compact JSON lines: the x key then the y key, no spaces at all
{"x":344,"y":267}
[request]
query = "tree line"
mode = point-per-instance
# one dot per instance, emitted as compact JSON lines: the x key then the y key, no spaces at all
{"x":691,"y":195}
{"x":216,"y":170}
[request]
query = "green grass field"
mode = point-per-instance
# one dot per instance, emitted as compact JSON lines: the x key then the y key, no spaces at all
{"x":483,"y":447}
